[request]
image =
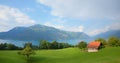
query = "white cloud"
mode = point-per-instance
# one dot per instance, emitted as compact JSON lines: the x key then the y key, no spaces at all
{"x":81,"y":28}
{"x":11,"y":17}
{"x":28,"y":9}
{"x":53,"y":25}
{"x":94,"y":32}
{"x":98,"y":31}
{"x":62,"y":27}
{"x":59,"y":20}
{"x":84,"y":8}
{"x":76,"y":28}
{"x":115,"y":26}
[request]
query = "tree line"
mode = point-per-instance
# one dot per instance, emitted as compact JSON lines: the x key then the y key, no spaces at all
{"x":43,"y":44}
{"x":110,"y":42}
{"x":9,"y":46}
{"x":53,"y":45}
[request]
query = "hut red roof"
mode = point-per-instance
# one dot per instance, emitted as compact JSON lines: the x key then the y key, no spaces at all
{"x":94,"y":44}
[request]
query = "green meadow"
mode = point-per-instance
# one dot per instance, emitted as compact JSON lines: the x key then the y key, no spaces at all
{"x":67,"y":55}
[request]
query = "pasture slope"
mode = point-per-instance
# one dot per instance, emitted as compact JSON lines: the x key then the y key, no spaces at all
{"x":68,"y":55}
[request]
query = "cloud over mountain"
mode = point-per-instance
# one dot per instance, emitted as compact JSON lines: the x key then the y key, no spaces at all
{"x":11,"y":17}
{"x":84,"y":8}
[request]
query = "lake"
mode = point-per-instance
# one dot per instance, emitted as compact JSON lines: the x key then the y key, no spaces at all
{"x":21,"y":42}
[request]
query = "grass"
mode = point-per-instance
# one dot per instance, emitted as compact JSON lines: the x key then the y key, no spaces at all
{"x":68,"y":55}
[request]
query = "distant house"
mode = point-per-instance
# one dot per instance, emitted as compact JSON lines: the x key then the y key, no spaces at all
{"x":93,"y":46}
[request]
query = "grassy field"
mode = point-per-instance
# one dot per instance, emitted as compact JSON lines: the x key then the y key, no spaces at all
{"x":68,"y":55}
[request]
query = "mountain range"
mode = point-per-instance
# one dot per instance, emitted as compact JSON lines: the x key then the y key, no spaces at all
{"x":108,"y":34}
{"x":42,"y":32}
{"x":39,"y":32}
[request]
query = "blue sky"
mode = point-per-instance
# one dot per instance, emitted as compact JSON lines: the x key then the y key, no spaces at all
{"x":89,"y":16}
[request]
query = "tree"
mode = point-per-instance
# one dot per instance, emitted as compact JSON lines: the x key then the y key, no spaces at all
{"x":119,"y":42}
{"x":103,"y":42}
{"x":35,"y":47}
{"x":66,"y":45}
{"x":113,"y":41}
{"x":63,"y":45}
{"x":82,"y":45}
{"x":27,"y":51}
{"x":3,"y":46}
{"x":9,"y":46}
{"x":44,"y":44}
{"x":60,"y":45}
{"x":54,"y":45}
{"x":30,"y":44}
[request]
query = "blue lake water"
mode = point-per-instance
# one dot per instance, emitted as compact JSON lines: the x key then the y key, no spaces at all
{"x":21,"y":43}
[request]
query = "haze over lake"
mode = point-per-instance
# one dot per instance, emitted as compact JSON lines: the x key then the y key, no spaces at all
{"x":21,"y":42}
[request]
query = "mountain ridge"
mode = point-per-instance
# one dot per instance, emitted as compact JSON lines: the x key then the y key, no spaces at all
{"x":39,"y":32}
{"x":109,"y":33}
